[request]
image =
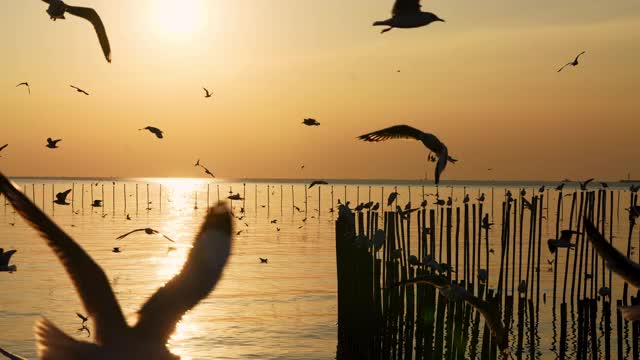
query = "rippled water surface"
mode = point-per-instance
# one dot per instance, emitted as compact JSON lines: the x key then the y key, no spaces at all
{"x":285,"y":309}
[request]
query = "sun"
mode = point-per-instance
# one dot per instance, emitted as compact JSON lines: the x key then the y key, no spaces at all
{"x":179,"y":19}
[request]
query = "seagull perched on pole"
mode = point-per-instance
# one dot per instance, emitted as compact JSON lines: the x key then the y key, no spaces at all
{"x":154,"y":130}
{"x":430,"y":141}
{"x":572,"y":63}
{"x":617,"y":262}
{"x":406,"y":14}
{"x":57,"y":9}
{"x":25,"y":84}
{"x":455,"y":292}
{"x":158,"y":317}
{"x":79,"y":90}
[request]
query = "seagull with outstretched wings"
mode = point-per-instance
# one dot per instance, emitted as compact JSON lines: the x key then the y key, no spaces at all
{"x":79,"y":90}
{"x":148,"y":231}
{"x":25,"y":84}
{"x":114,"y":338}
{"x":407,"y":14}
{"x":155,"y":131}
{"x":430,"y":141}
{"x":318,"y":182}
{"x":57,"y":9}
{"x":572,"y":63}
{"x":61,"y":197}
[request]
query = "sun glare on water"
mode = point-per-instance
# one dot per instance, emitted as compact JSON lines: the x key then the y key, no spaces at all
{"x":179,"y":19}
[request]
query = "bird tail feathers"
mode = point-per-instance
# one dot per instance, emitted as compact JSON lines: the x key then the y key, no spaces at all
{"x":53,"y":344}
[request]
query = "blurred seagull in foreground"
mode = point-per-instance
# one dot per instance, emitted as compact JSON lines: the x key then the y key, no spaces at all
{"x":618,"y":263}
{"x":157,"y":319}
{"x":5,"y":257}
{"x":318,"y":182}
{"x":10,"y":356}
{"x":455,"y":292}
{"x":57,"y":9}
{"x":52,"y":144}
{"x":407,"y":132}
{"x":26,"y":84}
{"x":406,"y":14}
{"x":154,"y":130}
{"x":563,"y":242}
{"x":148,"y":231}
{"x":79,"y":90}
{"x":572,"y":63}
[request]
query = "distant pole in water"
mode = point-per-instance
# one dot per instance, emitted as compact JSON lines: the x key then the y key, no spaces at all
{"x":113,"y":197}
{"x":160,"y":197}
{"x":332,"y":204}
{"x":91,"y":187}
{"x":491,"y":207}
{"x":382,"y":202}
{"x":305,"y":200}
{"x":357,"y":195}
{"x":195,"y":199}
{"x":82,"y":197}
{"x":124,"y":197}
{"x":255,"y":195}
{"x":244,"y":194}
{"x":345,"y":194}
{"x":369,"y":200}
{"x":53,"y":196}
{"x":102,"y":197}
{"x":268,"y":200}
{"x":73,"y":197}
{"x":293,"y":199}
{"x":319,"y":209}
{"x":281,"y":199}
{"x":136,"y":198}
{"x":148,"y":203}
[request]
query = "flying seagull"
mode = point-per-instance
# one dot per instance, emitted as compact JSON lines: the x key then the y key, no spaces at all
{"x":618,"y":263}
{"x":407,"y":132}
{"x":206,"y":171}
{"x":207,"y":93}
{"x":61,"y":198}
{"x":52,"y":144}
{"x":311,"y":122}
{"x":457,"y":293}
{"x":148,"y":231}
{"x":154,"y":130}
{"x":572,"y":63}
{"x":263,"y":260}
{"x":83,"y":318}
{"x":79,"y":90}
{"x":96,"y":203}
{"x":563,"y":242}
{"x":5,"y":257}
{"x":406,"y":14}
{"x":584,"y":184}
{"x":157,"y":318}
{"x":25,"y":84}
{"x":318,"y":182}
{"x":235,"y":197}
{"x":3,"y":146}
{"x":57,"y":9}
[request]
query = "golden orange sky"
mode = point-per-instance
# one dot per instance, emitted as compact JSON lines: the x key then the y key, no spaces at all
{"x":484,"y":82}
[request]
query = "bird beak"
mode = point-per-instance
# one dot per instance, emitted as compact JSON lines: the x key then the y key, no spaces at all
{"x":440,"y":20}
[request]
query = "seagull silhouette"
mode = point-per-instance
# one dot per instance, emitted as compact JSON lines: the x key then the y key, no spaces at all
{"x":79,"y":90}
{"x":61,"y":198}
{"x":572,"y":63}
{"x":617,"y":263}
{"x":96,"y":203}
{"x":318,"y":182}
{"x":83,"y":318}
{"x":311,"y":122}
{"x":563,"y":242}
{"x":154,"y":130}
{"x":148,"y":231}
{"x":157,"y":319}
{"x":2,"y":147}
{"x":57,"y":9}
{"x":235,"y":197}
{"x":207,"y":93}
{"x":52,"y":144}
{"x":263,"y":260}
{"x":584,"y":184}
{"x":25,"y":84}
{"x":392,"y":197}
{"x":406,"y":14}
{"x":454,"y":292}
{"x":430,"y":141}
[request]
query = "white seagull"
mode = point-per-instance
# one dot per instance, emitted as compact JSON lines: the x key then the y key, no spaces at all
{"x":406,"y":14}
{"x":157,"y":319}
{"x":57,"y":9}
{"x":407,"y":132}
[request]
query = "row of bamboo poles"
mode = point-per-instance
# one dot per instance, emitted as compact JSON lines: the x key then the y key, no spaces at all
{"x":379,"y":320}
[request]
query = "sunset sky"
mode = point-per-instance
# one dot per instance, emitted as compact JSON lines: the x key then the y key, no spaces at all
{"x":484,"y":82}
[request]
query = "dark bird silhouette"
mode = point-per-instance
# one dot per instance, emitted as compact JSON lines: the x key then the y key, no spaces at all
{"x":541,"y":190}
{"x":197,"y":163}
{"x":485,"y":222}
{"x":206,"y":171}
{"x":454,"y":292}
{"x":5,"y":257}
{"x":26,"y":84}
{"x":376,"y":207}
{"x":563,"y":242}
{"x":148,"y":231}
{"x":116,"y":250}
{"x":604,"y":185}
{"x":10,"y":356}
{"x":154,"y":130}
{"x":430,"y":141}
{"x":235,"y":197}
{"x":572,"y":63}
{"x":157,"y":318}
{"x":392,"y":197}
{"x":311,"y":122}
{"x":207,"y":94}
{"x":318,"y":182}
{"x":83,"y":318}
{"x":263,"y":260}
{"x":406,"y":14}
{"x":79,"y":90}
{"x":52,"y":144}
{"x":481,"y":198}
{"x":560,"y":187}
{"x":96,"y":203}
{"x":634,"y":188}
{"x":57,"y":9}
{"x":3,"y":147}
{"x":618,"y":263}
{"x":584,"y":184}
{"x":61,"y":198}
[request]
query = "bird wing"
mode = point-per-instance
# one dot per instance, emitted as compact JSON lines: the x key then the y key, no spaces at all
{"x":62,"y":196}
{"x":490,"y":315}
{"x":156,"y":131}
{"x":10,"y":356}
{"x":200,"y":274}
{"x":393,"y":132}
{"x":206,"y":91}
{"x":442,"y":163}
{"x":129,"y":233}
{"x":6,"y":257}
{"x":89,"y":279}
{"x":75,"y":87}
{"x":82,"y":317}
{"x":577,"y":57}
{"x":616,"y":261}
{"x":165,"y":236}
{"x":3,"y":146}
{"x":402,"y":7}
{"x":93,"y":17}
{"x":437,"y":281}
{"x":562,"y":68}
{"x":587,"y":182}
